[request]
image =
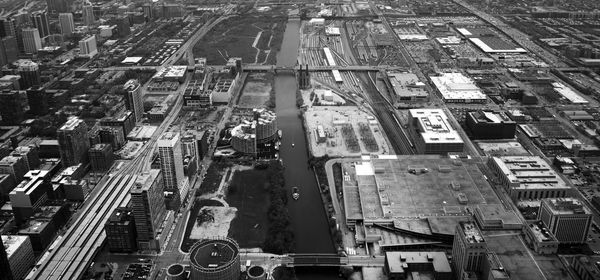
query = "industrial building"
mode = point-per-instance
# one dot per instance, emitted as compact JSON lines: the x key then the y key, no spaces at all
{"x":433,"y":133}
{"x":262,"y":128}
{"x":216,"y":259}
{"x":20,"y":255}
{"x":566,"y":218}
{"x":528,"y":177}
{"x":490,"y":125}
{"x":407,"y":87}
{"x":457,"y":88}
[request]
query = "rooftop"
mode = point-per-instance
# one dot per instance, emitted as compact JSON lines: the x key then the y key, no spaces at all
{"x":435,"y":126}
{"x":13,"y":242}
{"x":529,"y":172}
{"x":456,"y":86}
{"x":566,"y":206}
{"x":213,"y":254}
{"x":71,"y":124}
{"x":144,"y":181}
{"x":541,"y":233}
{"x":482,"y":116}
{"x":399,"y":262}
{"x":472,"y":232}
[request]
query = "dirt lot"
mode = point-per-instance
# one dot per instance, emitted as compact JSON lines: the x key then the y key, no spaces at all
{"x":368,"y":137}
{"x":256,"y":90}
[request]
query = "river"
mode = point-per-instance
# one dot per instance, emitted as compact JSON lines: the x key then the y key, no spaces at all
{"x":309,"y":221}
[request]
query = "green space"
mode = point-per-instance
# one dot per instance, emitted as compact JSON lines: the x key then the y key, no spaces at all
{"x":213,"y":177}
{"x":235,"y":37}
{"x":261,"y":199}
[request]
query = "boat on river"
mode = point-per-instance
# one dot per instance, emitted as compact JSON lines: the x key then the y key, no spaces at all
{"x":295,"y":193}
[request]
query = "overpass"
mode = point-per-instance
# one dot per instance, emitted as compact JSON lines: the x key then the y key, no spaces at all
{"x":270,"y":261}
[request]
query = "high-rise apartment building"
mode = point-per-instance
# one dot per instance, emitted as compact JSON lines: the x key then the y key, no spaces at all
{"x":135,"y":101}
{"x":171,"y":160}
{"x":9,"y":50}
{"x":567,"y":218}
{"x":4,"y":263}
{"x":67,"y":25}
{"x":88,"y":46}
{"x":73,"y":142}
{"x":29,"y":72}
{"x":13,"y":106}
{"x":88,"y":14}
{"x":20,"y":255}
{"x":147,"y":202}
{"x":469,"y":249}
{"x":31,"y":40}
{"x":120,"y":231}
{"x":40,"y":21}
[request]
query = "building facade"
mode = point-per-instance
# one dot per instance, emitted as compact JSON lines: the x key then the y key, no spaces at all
{"x":67,"y":25}
{"x":171,"y":163}
{"x":469,"y":249}
{"x":135,"y":99}
{"x":73,"y":142}
{"x":32,"y":41}
{"x":120,"y":231}
{"x":567,"y":218}
{"x":147,"y":202}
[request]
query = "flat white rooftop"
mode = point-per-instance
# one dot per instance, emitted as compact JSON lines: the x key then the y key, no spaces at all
{"x":434,"y":126}
{"x":456,"y":86}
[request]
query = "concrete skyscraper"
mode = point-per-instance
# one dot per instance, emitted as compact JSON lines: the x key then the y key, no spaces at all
{"x":31,"y":40}
{"x":67,"y":26}
{"x":147,"y":202}
{"x":469,"y":249}
{"x":135,"y":100}
{"x":88,"y":14}
{"x":40,"y":21}
{"x":171,"y":163}
{"x":88,"y":46}
{"x":73,"y":142}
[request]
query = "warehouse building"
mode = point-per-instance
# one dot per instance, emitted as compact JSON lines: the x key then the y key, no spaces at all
{"x":433,"y":133}
{"x":490,"y":125}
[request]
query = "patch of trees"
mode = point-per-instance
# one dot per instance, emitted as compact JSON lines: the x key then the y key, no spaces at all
{"x":279,"y":238}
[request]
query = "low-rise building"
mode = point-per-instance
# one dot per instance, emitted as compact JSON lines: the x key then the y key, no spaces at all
{"x":490,"y":125}
{"x":433,"y":133}
{"x":586,"y":267}
{"x":400,"y":265}
{"x":528,"y":177}
{"x":457,"y":88}
{"x":540,"y":239}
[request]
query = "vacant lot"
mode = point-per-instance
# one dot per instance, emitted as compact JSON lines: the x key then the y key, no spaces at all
{"x":256,"y":90}
{"x":248,"y":193}
{"x":255,"y":38}
{"x":192,"y":221}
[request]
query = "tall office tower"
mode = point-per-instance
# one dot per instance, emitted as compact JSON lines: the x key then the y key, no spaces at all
{"x":147,"y":202}
{"x":73,"y":142}
{"x":9,"y":50}
{"x":148,"y":11}
{"x":7,"y":27}
{"x":20,"y":255}
{"x":4,"y":263}
{"x":88,"y":14}
{"x":120,"y":231}
{"x":38,"y":100}
{"x":13,"y":106}
{"x":88,"y":46}
{"x":40,"y":21}
{"x":469,"y":249}
{"x":67,"y":26}
{"x":567,"y":218}
{"x":171,"y":162}
{"x":31,"y":40}
{"x":29,"y":72}
{"x":59,"y":6}
{"x":135,"y":101}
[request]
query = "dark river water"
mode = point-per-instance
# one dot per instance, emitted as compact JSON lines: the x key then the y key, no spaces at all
{"x":309,"y":220}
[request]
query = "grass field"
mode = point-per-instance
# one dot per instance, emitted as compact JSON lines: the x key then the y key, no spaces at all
{"x":235,"y":38}
{"x":248,"y":193}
